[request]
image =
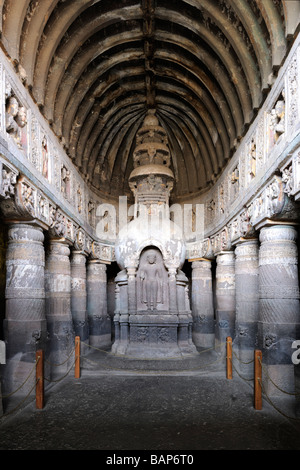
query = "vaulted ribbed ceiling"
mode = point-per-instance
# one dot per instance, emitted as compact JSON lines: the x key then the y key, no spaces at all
{"x":95,"y":66}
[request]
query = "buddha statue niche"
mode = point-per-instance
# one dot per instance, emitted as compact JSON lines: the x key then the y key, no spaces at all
{"x":152,"y":316}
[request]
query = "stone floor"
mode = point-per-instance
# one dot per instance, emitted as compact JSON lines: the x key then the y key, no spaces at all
{"x":116,"y":406}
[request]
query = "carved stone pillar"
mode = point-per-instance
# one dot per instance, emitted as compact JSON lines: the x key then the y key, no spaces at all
{"x":225,"y":297}
{"x":58,"y":302}
{"x":202,"y":304}
{"x":25,"y":322}
{"x":279,"y":304}
{"x":121,"y":314}
{"x":172,"y":290}
{"x":247,"y":302}
{"x":79,"y":297}
{"x":131,"y":273}
{"x":185,"y":342}
{"x":99,"y":320}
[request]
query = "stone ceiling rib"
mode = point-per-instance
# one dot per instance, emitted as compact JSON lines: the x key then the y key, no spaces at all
{"x":13,"y":16}
{"x":95,"y":67}
{"x":228,"y":31}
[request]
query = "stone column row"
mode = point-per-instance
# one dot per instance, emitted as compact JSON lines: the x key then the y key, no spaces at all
{"x":255,"y":301}
{"x":50,"y":301}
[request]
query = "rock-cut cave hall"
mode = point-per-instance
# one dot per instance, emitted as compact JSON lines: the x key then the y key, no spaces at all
{"x":149,"y":180}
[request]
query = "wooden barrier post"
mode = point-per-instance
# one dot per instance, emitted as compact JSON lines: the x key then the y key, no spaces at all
{"x":77,"y":357}
{"x":39,"y":388}
{"x":258,"y":380}
{"x":229,"y":357}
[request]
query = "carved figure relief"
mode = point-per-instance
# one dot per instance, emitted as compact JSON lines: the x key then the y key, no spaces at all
{"x":277,"y":120}
{"x":273,"y":197}
{"x":45,"y":158}
{"x":42,"y":207}
{"x":152,"y":281}
{"x":252,"y":158}
{"x":210,"y":210}
{"x":91,"y":213}
{"x":58,"y":225}
{"x":16,"y":121}
{"x":293,"y":91}
{"x":79,"y":199}
{"x":234,"y":181}
{"x":287,"y":178}
{"x":28,"y":198}
{"x":65,"y":182}
{"x":12,"y":108}
{"x":9,"y":180}
{"x":222,"y":199}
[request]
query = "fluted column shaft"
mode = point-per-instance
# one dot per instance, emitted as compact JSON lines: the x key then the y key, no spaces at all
{"x":202,"y":304}
{"x":279,"y":303}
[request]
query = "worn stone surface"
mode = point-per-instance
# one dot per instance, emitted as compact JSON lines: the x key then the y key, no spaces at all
{"x":79,"y":295}
{"x":95,"y":70}
{"x":114,"y":410}
{"x":25,"y":321}
{"x":225,"y":297}
{"x":185,"y":74}
{"x":247,"y":301}
{"x":58,"y":303}
{"x":98,"y":318}
{"x":279,"y":301}
{"x":155,"y":319}
{"x":202,"y":304}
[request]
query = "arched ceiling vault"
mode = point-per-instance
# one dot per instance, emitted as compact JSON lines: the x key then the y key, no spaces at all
{"x":95,"y":67}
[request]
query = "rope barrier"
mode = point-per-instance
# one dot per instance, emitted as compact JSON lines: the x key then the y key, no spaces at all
{"x":21,"y":386}
{"x":274,"y":406}
{"x":243,"y":378}
{"x":276,"y":386}
{"x":148,"y":359}
{"x":250,"y":362}
{"x":62,"y":363}
{"x":39,"y":383}
{"x":21,"y":403}
{"x":233,"y":353}
{"x":258,"y":382}
{"x":258,"y":369}
{"x":109,"y":353}
{"x":60,"y":378}
{"x":143,"y":372}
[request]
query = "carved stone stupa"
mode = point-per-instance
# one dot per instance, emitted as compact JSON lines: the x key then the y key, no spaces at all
{"x":152,"y":316}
